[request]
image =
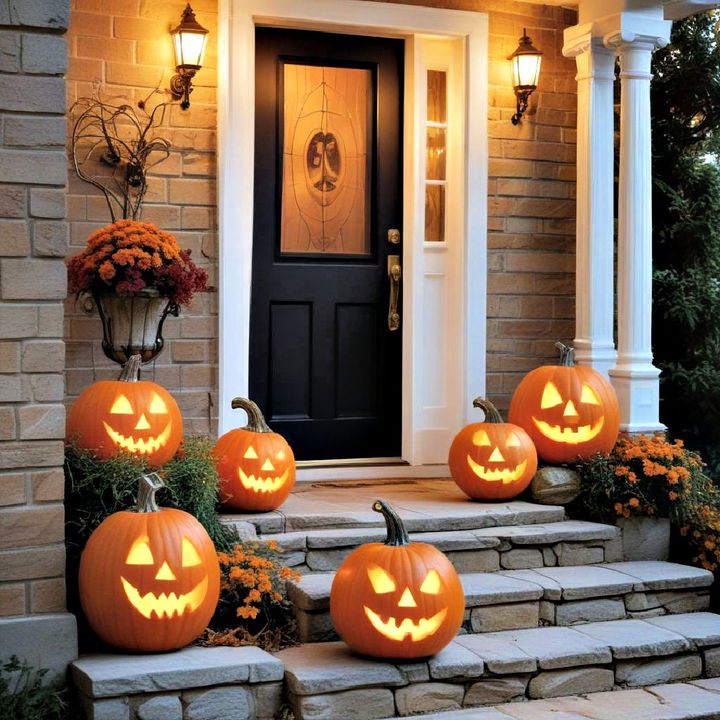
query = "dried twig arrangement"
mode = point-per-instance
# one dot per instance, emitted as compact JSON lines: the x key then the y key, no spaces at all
{"x":111,"y":148}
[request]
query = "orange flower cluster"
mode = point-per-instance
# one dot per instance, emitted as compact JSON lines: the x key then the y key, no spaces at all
{"x":251,"y":577}
{"x":126,"y":257}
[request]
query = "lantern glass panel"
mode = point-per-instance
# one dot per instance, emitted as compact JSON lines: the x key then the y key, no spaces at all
{"x":189,"y":47}
{"x":526,"y":70}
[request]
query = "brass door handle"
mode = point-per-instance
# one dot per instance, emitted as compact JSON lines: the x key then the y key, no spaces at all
{"x":394,"y":273}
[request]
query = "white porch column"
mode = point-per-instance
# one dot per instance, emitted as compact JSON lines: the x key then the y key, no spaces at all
{"x":635,"y":378}
{"x":594,"y":312}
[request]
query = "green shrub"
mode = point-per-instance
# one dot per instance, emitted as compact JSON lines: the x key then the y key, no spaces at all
{"x":24,"y":697}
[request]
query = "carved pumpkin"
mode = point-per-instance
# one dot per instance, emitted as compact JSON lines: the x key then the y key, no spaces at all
{"x":397,"y":599}
{"x":492,"y":460}
{"x":137,"y":416}
{"x":570,"y":411}
{"x":256,"y":465}
{"x":149,"y":579}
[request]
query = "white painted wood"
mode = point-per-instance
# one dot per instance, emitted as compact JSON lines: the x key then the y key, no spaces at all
{"x":594,"y":260}
{"x":466,"y":272}
{"x":635,"y":378}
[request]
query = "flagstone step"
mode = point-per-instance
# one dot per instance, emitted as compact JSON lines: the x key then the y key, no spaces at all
{"x":424,"y":505}
{"x":696,"y":700}
{"x":561,"y":596}
{"x":567,"y":542}
{"x":326,"y":680}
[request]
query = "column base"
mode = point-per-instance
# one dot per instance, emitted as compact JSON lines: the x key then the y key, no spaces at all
{"x":638,"y":392}
{"x":600,"y":357}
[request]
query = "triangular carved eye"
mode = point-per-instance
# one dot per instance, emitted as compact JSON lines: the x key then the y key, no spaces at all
{"x":550,"y":397}
{"x":250,"y":453}
{"x":140,"y":553}
{"x":431,"y":583}
{"x":481,"y":438}
{"x":190,"y":555}
{"x":122,"y":406}
{"x":513,"y":440}
{"x":589,"y":396}
{"x":382,"y":583}
{"x":157,"y":405}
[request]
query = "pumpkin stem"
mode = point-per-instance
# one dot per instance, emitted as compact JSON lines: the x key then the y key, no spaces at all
{"x":256,"y":421}
{"x":567,"y":354}
{"x":131,"y":369}
{"x":396,"y":533}
{"x":149,"y":485}
{"x":492,"y":414}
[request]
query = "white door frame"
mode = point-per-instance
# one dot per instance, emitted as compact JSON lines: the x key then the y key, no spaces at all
{"x":444,"y":284}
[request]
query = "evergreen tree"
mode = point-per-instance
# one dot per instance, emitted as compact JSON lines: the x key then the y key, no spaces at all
{"x":686,"y":233}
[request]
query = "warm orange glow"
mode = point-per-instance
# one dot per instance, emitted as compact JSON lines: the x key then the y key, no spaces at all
{"x":157,"y":405}
{"x":407,"y":599}
{"x":268,"y":466}
{"x":250,"y":453}
{"x":589,"y":396}
{"x":142,"y":423}
{"x":550,"y":397}
{"x":431,"y":583}
{"x":570,"y":410}
{"x":139,"y":446}
{"x":382,"y":583}
{"x":481,"y":438}
{"x":569,"y":435}
{"x":121,"y":406}
{"x":506,"y":475}
{"x":262,"y":484}
{"x":165,"y":605}
{"x":281,"y":455}
{"x":165,"y":573}
{"x":140,"y":553}
{"x":417,"y":631}
{"x":513,"y":440}
{"x":190,"y":555}
{"x":496,"y":456}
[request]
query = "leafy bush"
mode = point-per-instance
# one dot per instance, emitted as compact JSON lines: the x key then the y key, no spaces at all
{"x":24,"y":697}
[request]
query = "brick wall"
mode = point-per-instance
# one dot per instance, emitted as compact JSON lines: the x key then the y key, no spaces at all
{"x":124,"y":45}
{"x":33,"y":243}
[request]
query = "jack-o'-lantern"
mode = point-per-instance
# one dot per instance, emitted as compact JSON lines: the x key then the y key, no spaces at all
{"x":397,"y":599}
{"x":570,"y":411}
{"x":137,"y":416}
{"x":149,"y":579}
{"x":492,"y":460}
{"x":256,"y":465}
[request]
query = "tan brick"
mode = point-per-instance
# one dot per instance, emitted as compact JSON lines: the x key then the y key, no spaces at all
{"x":9,"y":357}
{"x":39,"y":168}
{"x":31,"y":454}
{"x":12,"y":487}
{"x":9,"y":51}
{"x":43,"y":356}
{"x":171,"y":165}
{"x":28,"y":93}
{"x":32,"y":279}
{"x":47,"y":387}
{"x":27,"y":526}
{"x":192,"y":192}
{"x":196,"y":116}
{"x":199,"y":327}
{"x":44,"y":54}
{"x":199,"y":164}
{"x":164,"y":216}
{"x":103,"y":48}
{"x":47,"y":485}
{"x":50,"y":320}
{"x":42,"y":422}
{"x":539,"y":262}
{"x":8,"y":428}
{"x":189,"y":351}
{"x":134,"y":75}
{"x":12,"y":599}
{"x":86,"y":69}
{"x":13,"y":388}
{"x":156,"y":52}
{"x":92,"y":24}
{"x":14,"y":238}
{"x":30,"y":563}
{"x":47,"y":595}
{"x":12,"y":200}
{"x":50,"y":238}
{"x":134,"y":28}
{"x":48,"y":203}
{"x":18,"y":321}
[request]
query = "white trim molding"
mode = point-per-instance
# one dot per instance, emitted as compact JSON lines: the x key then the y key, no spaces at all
{"x":444,"y":284}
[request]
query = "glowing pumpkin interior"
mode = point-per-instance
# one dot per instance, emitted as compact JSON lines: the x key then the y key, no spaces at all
{"x":566,"y":420}
{"x":141,"y":429}
{"x":268,"y":476}
{"x":494,"y":460}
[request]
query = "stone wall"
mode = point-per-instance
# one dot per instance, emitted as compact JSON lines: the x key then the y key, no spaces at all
{"x":33,"y":243}
{"x":124,"y":47}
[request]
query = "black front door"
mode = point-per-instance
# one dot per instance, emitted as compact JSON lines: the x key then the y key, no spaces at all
{"x":325,"y":366}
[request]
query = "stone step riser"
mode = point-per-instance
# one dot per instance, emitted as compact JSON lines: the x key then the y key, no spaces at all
{"x":326,"y":681}
{"x":318,"y":627}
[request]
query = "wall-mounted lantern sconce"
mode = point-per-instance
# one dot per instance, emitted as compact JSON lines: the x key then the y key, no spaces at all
{"x":189,"y":40}
{"x":526,"y":71}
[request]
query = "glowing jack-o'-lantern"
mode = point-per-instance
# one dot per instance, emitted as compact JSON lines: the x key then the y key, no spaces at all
{"x":256,"y":465}
{"x":149,"y":579}
{"x":492,"y":460}
{"x":570,"y":411}
{"x":137,"y":416}
{"x":397,"y":599}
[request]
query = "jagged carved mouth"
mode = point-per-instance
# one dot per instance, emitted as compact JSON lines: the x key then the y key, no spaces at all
{"x":165,"y":605}
{"x":504,"y":475}
{"x":143,"y":446}
{"x":569,"y":435}
{"x":262,"y":484}
{"x":417,"y":631}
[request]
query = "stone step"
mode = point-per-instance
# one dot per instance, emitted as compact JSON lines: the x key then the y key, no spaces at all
{"x":562,"y":596}
{"x":696,"y":700}
{"x":568,"y":542}
{"x":424,"y":505}
{"x":326,"y":680}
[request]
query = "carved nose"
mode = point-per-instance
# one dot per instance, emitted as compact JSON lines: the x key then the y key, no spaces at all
{"x":165,"y":573}
{"x":497,"y":456}
{"x":407,"y":599}
{"x":570,"y":410}
{"x":267,"y":465}
{"x":142,"y":423}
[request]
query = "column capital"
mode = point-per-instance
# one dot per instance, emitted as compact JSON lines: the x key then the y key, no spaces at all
{"x":579,"y":39}
{"x":633,"y":28}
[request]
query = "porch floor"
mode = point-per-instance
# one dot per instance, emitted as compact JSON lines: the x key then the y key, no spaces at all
{"x":425,"y":505}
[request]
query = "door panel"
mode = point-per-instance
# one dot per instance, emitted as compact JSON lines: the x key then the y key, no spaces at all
{"x":324,"y":366}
